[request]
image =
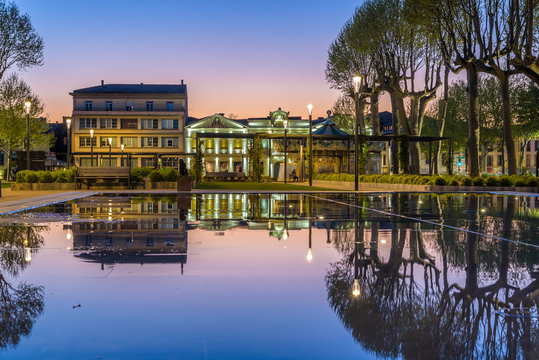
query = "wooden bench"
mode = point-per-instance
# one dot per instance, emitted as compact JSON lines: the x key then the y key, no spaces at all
{"x":224,"y":176}
{"x":91,"y":174}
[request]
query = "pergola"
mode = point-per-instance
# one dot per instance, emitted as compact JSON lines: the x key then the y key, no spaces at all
{"x":348,"y":138}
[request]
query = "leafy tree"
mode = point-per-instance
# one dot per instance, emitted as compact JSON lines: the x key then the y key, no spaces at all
{"x":198,"y":166}
{"x":527,"y":114}
{"x":343,"y":113}
{"x":13,"y":94}
{"x":20,"y":45}
{"x":254,"y":153}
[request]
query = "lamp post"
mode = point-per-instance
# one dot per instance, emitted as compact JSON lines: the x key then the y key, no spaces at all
{"x":357,"y":84}
{"x":122,"y":159}
{"x":92,"y":147}
{"x":310,"y":108}
{"x":110,"y":152}
{"x":27,"y":106}
{"x":68,"y":123}
{"x":285,"y":124}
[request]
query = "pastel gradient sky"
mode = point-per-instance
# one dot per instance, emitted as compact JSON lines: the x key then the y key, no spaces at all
{"x":243,"y":56}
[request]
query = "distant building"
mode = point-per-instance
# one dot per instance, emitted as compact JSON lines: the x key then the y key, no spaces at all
{"x":148,"y":119}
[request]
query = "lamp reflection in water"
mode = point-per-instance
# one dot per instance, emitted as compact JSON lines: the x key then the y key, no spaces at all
{"x":27,"y":249}
{"x":310,"y":251}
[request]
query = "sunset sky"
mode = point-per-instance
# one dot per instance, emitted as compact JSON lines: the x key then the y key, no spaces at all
{"x":243,"y":57}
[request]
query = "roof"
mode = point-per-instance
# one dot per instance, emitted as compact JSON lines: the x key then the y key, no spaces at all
{"x":328,"y":127}
{"x":386,"y":118}
{"x":133,"y":89}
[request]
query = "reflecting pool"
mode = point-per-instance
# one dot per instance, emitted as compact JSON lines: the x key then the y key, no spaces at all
{"x":272,"y":276}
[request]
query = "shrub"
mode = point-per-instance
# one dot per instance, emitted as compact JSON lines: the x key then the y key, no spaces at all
{"x":478,"y":181}
{"x":21,"y":176}
{"x":45,"y":177}
{"x":138,"y":174}
{"x":156,"y":176}
{"x":454,"y":182}
{"x":532,"y":181}
{"x":169,"y":174}
{"x":440,"y":181}
{"x":492,"y":181}
{"x":505,"y":181}
{"x":520,"y":182}
{"x":32,"y":177}
{"x":467,"y":181}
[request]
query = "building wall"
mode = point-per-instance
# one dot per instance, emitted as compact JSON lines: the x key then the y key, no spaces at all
{"x":129,"y":128}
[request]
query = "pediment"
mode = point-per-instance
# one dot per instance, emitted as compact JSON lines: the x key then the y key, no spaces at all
{"x":216,"y":121}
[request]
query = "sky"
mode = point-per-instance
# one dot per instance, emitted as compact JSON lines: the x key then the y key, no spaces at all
{"x":240,"y":56}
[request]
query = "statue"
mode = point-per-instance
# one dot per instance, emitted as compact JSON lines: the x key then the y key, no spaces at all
{"x":183,"y":168}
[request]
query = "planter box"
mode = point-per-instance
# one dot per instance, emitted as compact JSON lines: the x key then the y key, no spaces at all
{"x":160,"y":185}
{"x":42,"y":186}
{"x":412,"y":187}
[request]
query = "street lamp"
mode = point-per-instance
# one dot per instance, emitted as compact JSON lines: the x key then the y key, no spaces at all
{"x":27,"y":105}
{"x":68,"y":123}
{"x":122,"y":160}
{"x":110,"y":152}
{"x":92,"y":147}
{"x":285,"y":124}
{"x":357,"y":84}
{"x":310,"y":108}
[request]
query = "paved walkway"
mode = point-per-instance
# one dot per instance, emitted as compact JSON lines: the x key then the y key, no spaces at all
{"x":13,"y":201}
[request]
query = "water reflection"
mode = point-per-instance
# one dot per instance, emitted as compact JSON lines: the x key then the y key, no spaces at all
{"x":415,"y":291}
{"x":115,"y":230}
{"x":22,"y":303}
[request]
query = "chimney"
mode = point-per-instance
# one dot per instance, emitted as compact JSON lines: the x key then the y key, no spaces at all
{"x":102,"y":82}
{"x":181,"y":82}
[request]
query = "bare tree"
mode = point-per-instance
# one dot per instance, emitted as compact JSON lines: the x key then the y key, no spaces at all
{"x":20,"y":45}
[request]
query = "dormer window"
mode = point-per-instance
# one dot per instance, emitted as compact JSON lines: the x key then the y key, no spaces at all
{"x":88,"y":105}
{"x":108,"y":106}
{"x":149,"y":105}
{"x":170,"y":106}
{"x":129,"y":106}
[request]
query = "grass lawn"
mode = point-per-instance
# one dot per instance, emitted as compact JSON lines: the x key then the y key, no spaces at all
{"x":6,"y":185}
{"x":255,"y":186}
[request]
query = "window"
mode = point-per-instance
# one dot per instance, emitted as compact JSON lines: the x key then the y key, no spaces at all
{"x":528,"y":160}
{"x":149,"y":105}
{"x":149,"y":142}
{"x":500,"y":160}
{"x":129,"y":123}
{"x":85,"y":141}
{"x":104,"y":141}
{"x":1,"y":158}
{"x":536,"y":145}
{"x":108,"y":123}
{"x":108,"y":106}
{"x":170,"y":106}
{"x":106,"y":161}
{"x":88,"y":105}
{"x":223,"y":146}
{"x":149,"y":124}
{"x":169,"y":142}
{"x":85,"y":161}
{"x":130,"y":141}
{"x":489,"y":160}
{"x":169,"y":123}
{"x":125,"y":161}
{"x":128,"y":106}
{"x":148,"y":162}
{"x":528,"y":146}
{"x":87,"y":123}
{"x":169,"y":162}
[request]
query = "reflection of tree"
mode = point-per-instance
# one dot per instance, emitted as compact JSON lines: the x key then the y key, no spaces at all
{"x":20,"y":305}
{"x":405,"y":310}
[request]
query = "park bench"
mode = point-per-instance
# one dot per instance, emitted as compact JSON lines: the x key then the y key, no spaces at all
{"x":88,"y":175}
{"x":224,"y":176}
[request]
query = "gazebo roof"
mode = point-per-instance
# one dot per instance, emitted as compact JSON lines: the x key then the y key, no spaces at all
{"x":328,"y":127}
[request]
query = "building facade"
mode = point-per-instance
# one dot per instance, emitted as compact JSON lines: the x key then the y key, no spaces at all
{"x":147,"y":119}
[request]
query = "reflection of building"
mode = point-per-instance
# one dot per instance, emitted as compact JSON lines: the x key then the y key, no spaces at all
{"x":147,"y":119}
{"x":128,"y":230}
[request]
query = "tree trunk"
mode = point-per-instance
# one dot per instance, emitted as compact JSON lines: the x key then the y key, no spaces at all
{"x":9,"y":157}
{"x":360,"y":115}
{"x":414,"y":145}
{"x":396,"y":131}
{"x":508,"y":126}
{"x":473,"y":119}
{"x":442,"y":114}
{"x":374,"y":114}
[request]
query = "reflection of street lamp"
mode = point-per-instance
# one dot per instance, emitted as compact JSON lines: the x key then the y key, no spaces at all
{"x":357,"y":84}
{"x":122,"y":160}
{"x":27,"y":249}
{"x":285,"y":124}
{"x":110,"y":151}
{"x":92,"y":147}
{"x":27,"y":106}
{"x":69,"y":235}
{"x":310,"y":251}
{"x":68,"y":123}
{"x":355,"y":288}
{"x":310,"y":108}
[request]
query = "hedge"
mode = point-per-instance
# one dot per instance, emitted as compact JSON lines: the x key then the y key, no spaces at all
{"x":455,"y":180}
{"x":56,"y":176}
